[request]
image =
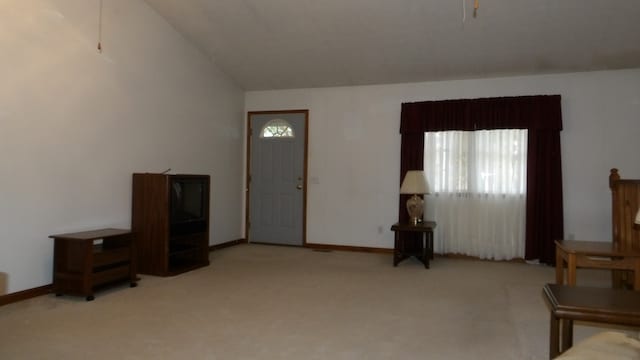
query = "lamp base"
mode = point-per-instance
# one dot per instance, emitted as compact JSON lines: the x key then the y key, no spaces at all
{"x":415,"y":206}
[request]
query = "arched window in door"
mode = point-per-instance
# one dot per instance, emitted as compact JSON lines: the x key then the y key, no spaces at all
{"x":277,"y":128}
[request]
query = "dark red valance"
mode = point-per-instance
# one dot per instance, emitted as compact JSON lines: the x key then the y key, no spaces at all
{"x":541,"y":112}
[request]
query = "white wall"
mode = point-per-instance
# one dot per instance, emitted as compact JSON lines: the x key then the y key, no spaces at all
{"x":354,"y":147}
{"x":75,"y":124}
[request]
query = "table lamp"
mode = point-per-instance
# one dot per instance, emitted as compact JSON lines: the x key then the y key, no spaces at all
{"x":414,"y":183}
{"x":638,"y":217}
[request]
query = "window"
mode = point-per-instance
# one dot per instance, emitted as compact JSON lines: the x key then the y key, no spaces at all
{"x":478,"y":179}
{"x":277,"y":128}
{"x":487,"y":161}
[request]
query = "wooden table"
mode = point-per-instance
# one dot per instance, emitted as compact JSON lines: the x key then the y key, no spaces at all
{"x":594,"y":254}
{"x":601,"y":305}
{"x":407,"y":246}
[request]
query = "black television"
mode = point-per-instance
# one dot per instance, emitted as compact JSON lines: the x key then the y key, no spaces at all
{"x":189,"y":204}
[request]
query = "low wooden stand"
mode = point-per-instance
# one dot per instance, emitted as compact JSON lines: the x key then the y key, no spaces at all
{"x":81,"y":262}
{"x":600,"y":305}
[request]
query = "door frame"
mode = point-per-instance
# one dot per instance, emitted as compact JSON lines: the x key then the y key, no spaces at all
{"x":247,"y":220}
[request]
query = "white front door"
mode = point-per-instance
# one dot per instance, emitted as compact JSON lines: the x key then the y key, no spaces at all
{"x":277,"y":183}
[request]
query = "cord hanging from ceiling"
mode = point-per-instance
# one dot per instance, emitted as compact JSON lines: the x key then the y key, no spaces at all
{"x":464,"y":10}
{"x":476,"y":5}
{"x":100,"y":27}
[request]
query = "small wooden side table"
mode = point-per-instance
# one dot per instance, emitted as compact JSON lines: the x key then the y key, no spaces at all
{"x":600,"y":305}
{"x":85,"y":260}
{"x":407,"y":246}
{"x":597,"y":255}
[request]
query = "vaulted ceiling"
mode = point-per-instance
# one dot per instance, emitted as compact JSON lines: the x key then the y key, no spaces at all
{"x":279,"y":44}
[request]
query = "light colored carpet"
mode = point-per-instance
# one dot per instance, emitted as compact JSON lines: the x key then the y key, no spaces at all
{"x":270,"y":302}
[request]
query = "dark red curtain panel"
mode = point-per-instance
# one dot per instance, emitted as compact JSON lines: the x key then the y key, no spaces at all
{"x":541,"y":115}
{"x":545,"y":222}
{"x":411,"y":158}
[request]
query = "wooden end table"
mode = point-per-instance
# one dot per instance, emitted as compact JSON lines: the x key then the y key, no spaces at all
{"x":85,"y":260}
{"x":594,"y":254}
{"x":407,"y":246}
{"x":600,"y":305}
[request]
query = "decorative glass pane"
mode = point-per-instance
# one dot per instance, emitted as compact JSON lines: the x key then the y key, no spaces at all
{"x":277,"y":128}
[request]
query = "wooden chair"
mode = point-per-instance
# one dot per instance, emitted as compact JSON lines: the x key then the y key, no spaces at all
{"x":625,"y":196}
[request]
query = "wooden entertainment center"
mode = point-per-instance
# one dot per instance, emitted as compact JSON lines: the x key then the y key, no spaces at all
{"x":170,"y":217}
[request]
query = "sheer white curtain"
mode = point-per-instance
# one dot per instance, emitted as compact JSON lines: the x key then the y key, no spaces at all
{"x":478,"y":191}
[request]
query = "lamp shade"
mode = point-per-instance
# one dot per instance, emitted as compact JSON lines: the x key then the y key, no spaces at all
{"x":638,"y":217}
{"x":415,"y":182}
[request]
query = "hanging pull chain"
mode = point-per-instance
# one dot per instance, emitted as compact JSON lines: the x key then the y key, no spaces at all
{"x":476,"y":5}
{"x":100,"y":28}
{"x":464,"y":11}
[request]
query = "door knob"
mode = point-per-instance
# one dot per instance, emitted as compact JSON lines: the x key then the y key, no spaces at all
{"x":299,"y":187}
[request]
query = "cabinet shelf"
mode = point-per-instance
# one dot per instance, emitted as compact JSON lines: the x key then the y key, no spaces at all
{"x":103,"y":257}
{"x":183,"y":249}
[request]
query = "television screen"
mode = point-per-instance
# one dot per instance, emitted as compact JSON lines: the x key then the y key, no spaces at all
{"x":187,"y":200}
{"x":189,"y":204}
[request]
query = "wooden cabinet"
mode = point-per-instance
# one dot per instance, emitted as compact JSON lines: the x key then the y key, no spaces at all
{"x":170,"y":216}
{"x":84,"y":261}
